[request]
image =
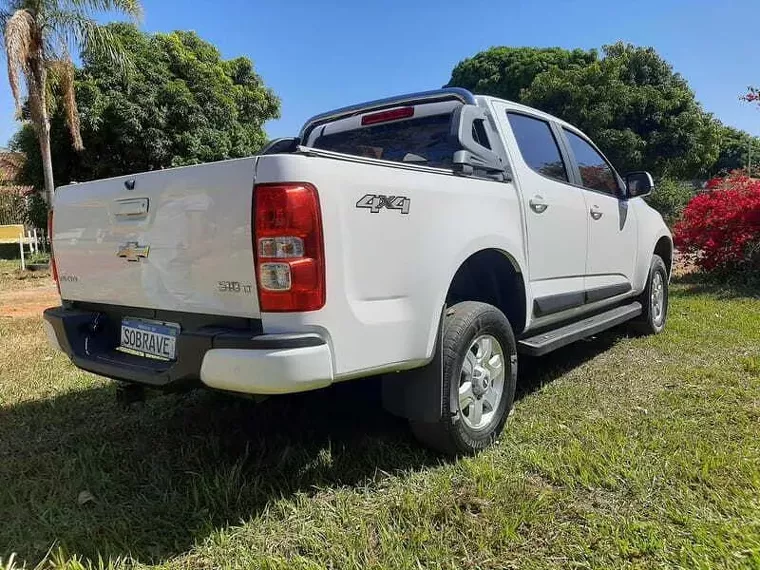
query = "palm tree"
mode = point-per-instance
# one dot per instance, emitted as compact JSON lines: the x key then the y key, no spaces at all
{"x":39,"y":36}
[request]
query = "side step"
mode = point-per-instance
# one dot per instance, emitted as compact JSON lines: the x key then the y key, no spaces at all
{"x":553,"y":339}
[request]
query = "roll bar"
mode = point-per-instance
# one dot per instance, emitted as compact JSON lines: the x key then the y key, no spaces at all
{"x":443,"y":94}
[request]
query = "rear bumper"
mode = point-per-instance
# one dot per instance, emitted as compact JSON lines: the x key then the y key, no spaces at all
{"x":223,"y":358}
{"x":268,"y":371}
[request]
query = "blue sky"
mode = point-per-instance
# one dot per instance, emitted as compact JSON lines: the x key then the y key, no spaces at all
{"x":321,"y":55}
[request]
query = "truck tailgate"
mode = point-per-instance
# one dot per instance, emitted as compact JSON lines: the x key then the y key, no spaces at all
{"x":177,"y":240}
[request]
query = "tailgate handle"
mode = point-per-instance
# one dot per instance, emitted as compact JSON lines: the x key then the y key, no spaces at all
{"x":132,"y":208}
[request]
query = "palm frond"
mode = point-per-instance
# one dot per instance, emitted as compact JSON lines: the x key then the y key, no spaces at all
{"x":37,"y":98}
{"x":130,"y":8}
{"x":7,"y":10}
{"x":19,"y":36}
{"x":5,"y":15}
{"x":62,"y":27}
{"x":62,"y":73}
{"x":80,"y":32}
{"x":51,"y":86}
{"x":54,"y":49}
{"x":104,"y":42}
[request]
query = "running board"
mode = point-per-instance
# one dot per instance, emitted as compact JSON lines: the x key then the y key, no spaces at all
{"x":553,"y":339}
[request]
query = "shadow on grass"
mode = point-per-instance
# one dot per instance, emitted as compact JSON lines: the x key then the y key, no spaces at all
{"x":162,"y":475}
{"x":732,"y":287}
{"x":535,"y":372}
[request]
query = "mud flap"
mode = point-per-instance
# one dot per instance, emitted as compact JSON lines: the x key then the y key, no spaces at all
{"x":417,"y":394}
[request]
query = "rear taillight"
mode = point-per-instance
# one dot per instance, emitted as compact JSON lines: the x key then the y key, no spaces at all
{"x":288,"y":247}
{"x":53,"y":268}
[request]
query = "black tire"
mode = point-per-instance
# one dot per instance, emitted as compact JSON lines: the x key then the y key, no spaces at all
{"x":453,"y":434}
{"x":652,"y":320}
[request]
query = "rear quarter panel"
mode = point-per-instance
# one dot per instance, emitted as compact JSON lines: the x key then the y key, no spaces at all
{"x":388,"y":272}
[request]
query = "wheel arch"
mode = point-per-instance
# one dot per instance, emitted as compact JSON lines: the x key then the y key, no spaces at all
{"x":664,"y":248}
{"x":493,"y":276}
{"x":416,"y":394}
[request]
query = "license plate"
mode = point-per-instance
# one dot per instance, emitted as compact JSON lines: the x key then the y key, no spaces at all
{"x":150,"y":338}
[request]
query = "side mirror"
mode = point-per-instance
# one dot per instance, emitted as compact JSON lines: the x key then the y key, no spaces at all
{"x":639,"y":184}
{"x":471,"y":131}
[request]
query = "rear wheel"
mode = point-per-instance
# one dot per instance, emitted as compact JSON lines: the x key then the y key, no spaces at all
{"x":654,"y":299}
{"x":479,"y":379}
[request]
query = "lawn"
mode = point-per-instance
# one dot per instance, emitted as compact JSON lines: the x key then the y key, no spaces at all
{"x":622,"y":452}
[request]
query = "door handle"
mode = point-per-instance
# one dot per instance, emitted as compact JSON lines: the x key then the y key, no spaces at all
{"x":132,"y":208}
{"x":595,"y":212}
{"x":538,"y":205}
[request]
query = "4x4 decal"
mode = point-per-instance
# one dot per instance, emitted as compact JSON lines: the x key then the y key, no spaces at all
{"x":376,"y":202}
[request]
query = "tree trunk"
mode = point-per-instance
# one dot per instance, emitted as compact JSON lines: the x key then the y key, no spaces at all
{"x":37,"y":89}
{"x":43,"y":134}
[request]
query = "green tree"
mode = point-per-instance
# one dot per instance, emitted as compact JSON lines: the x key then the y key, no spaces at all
{"x":628,"y":99}
{"x":37,"y":36}
{"x":753,"y":96}
{"x":182,"y":104}
{"x":670,"y":198}
{"x":734,"y":151}
{"x":506,"y":71}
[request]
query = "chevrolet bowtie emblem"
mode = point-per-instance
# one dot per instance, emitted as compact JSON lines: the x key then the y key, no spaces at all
{"x":132,"y":251}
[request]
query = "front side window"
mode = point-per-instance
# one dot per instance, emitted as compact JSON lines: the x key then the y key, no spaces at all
{"x":596,"y":174}
{"x":538,"y":146}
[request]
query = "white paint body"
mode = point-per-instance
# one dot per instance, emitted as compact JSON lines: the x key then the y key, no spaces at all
{"x":387,"y":274}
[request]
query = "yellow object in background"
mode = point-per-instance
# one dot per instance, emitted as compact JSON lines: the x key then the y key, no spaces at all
{"x":11,"y":234}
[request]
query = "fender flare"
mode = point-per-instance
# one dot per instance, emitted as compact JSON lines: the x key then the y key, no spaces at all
{"x":486,"y":243}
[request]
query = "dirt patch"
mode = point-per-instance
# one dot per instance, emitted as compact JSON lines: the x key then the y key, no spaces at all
{"x":683,"y":264}
{"x":28,"y":302}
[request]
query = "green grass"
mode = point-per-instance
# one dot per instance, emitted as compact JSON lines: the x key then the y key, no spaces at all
{"x":622,"y":452}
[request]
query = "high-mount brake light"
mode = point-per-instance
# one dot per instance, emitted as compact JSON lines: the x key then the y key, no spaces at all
{"x":385,"y":116}
{"x":288,"y":247}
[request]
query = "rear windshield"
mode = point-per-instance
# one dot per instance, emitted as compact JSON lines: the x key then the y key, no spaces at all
{"x":423,"y":141}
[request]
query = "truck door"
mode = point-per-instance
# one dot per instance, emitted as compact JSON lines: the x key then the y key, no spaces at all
{"x":612,"y":224}
{"x":554,"y":209}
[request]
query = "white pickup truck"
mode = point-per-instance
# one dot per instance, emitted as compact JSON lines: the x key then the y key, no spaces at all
{"x":430,"y":238}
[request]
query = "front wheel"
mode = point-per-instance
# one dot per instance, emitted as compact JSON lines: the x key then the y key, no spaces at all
{"x":479,"y":379}
{"x":654,"y":299}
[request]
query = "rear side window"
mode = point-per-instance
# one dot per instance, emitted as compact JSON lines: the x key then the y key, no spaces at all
{"x":423,"y":140}
{"x":538,"y":146}
{"x":596,"y":174}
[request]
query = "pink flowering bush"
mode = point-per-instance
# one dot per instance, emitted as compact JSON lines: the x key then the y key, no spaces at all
{"x":752,"y":96}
